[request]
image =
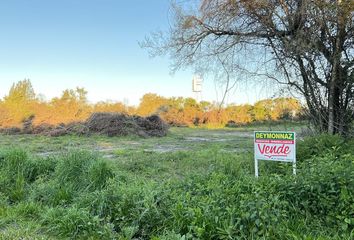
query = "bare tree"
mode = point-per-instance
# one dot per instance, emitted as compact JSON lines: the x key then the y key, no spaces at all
{"x":307,"y":45}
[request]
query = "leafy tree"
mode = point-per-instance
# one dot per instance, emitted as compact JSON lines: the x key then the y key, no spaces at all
{"x":150,"y":104}
{"x":192,"y":113}
{"x":241,"y":114}
{"x":3,"y":114}
{"x":19,"y":103}
{"x":172,"y":112}
{"x":21,"y":92}
{"x":110,"y":107}
{"x":262,"y":110}
{"x":70,"y":107}
{"x":285,"y":108}
{"x":307,"y":45}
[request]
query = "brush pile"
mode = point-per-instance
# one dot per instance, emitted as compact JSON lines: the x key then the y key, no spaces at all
{"x":110,"y":124}
{"x":114,"y":124}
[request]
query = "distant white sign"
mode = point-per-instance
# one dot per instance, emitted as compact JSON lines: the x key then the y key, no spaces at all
{"x":274,"y":146}
{"x":197,"y":84}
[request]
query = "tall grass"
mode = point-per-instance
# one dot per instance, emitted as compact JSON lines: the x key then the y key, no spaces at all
{"x":77,"y":195}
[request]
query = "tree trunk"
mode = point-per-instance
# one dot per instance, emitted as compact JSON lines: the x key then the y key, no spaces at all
{"x":334,"y":91}
{"x":331,"y":100}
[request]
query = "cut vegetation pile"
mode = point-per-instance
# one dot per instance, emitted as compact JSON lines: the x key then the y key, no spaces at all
{"x":110,"y":124}
{"x":113,"y":124}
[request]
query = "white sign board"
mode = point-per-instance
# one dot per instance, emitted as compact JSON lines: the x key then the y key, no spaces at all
{"x":274,"y":146}
{"x":197,"y":84}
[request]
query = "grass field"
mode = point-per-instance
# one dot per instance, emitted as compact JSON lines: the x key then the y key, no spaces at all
{"x":191,"y":184}
{"x":185,"y":139}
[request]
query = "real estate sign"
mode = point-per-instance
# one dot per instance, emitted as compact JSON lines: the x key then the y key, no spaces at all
{"x":275,"y":146}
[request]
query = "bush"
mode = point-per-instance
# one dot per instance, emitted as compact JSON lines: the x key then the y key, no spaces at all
{"x":75,"y":223}
{"x":324,"y":190}
{"x":74,"y":173}
{"x":15,"y":173}
{"x":321,"y":145}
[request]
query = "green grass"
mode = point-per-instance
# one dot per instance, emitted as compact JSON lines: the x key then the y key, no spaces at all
{"x":192,"y":184}
{"x":178,"y":139}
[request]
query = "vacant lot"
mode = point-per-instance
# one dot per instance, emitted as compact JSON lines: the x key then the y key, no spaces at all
{"x":191,"y":184}
{"x":178,"y":139}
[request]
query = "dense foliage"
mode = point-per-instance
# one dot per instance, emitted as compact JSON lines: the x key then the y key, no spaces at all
{"x":206,"y":194}
{"x":22,"y":104}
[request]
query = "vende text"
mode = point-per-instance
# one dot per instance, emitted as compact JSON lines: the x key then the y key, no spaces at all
{"x":275,"y":150}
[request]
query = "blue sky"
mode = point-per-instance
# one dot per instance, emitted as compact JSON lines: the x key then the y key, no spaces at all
{"x":61,"y":44}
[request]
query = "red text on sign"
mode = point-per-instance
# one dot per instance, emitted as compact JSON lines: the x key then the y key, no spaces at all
{"x":275,"y":150}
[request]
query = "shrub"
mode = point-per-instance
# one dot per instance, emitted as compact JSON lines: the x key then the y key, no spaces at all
{"x":82,"y":170}
{"x":74,"y":173}
{"x":320,"y":145}
{"x":16,"y":171}
{"x":324,"y":190}
{"x":76,"y":224}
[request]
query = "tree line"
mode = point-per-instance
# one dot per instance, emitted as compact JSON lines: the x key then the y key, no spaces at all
{"x":22,"y":103}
